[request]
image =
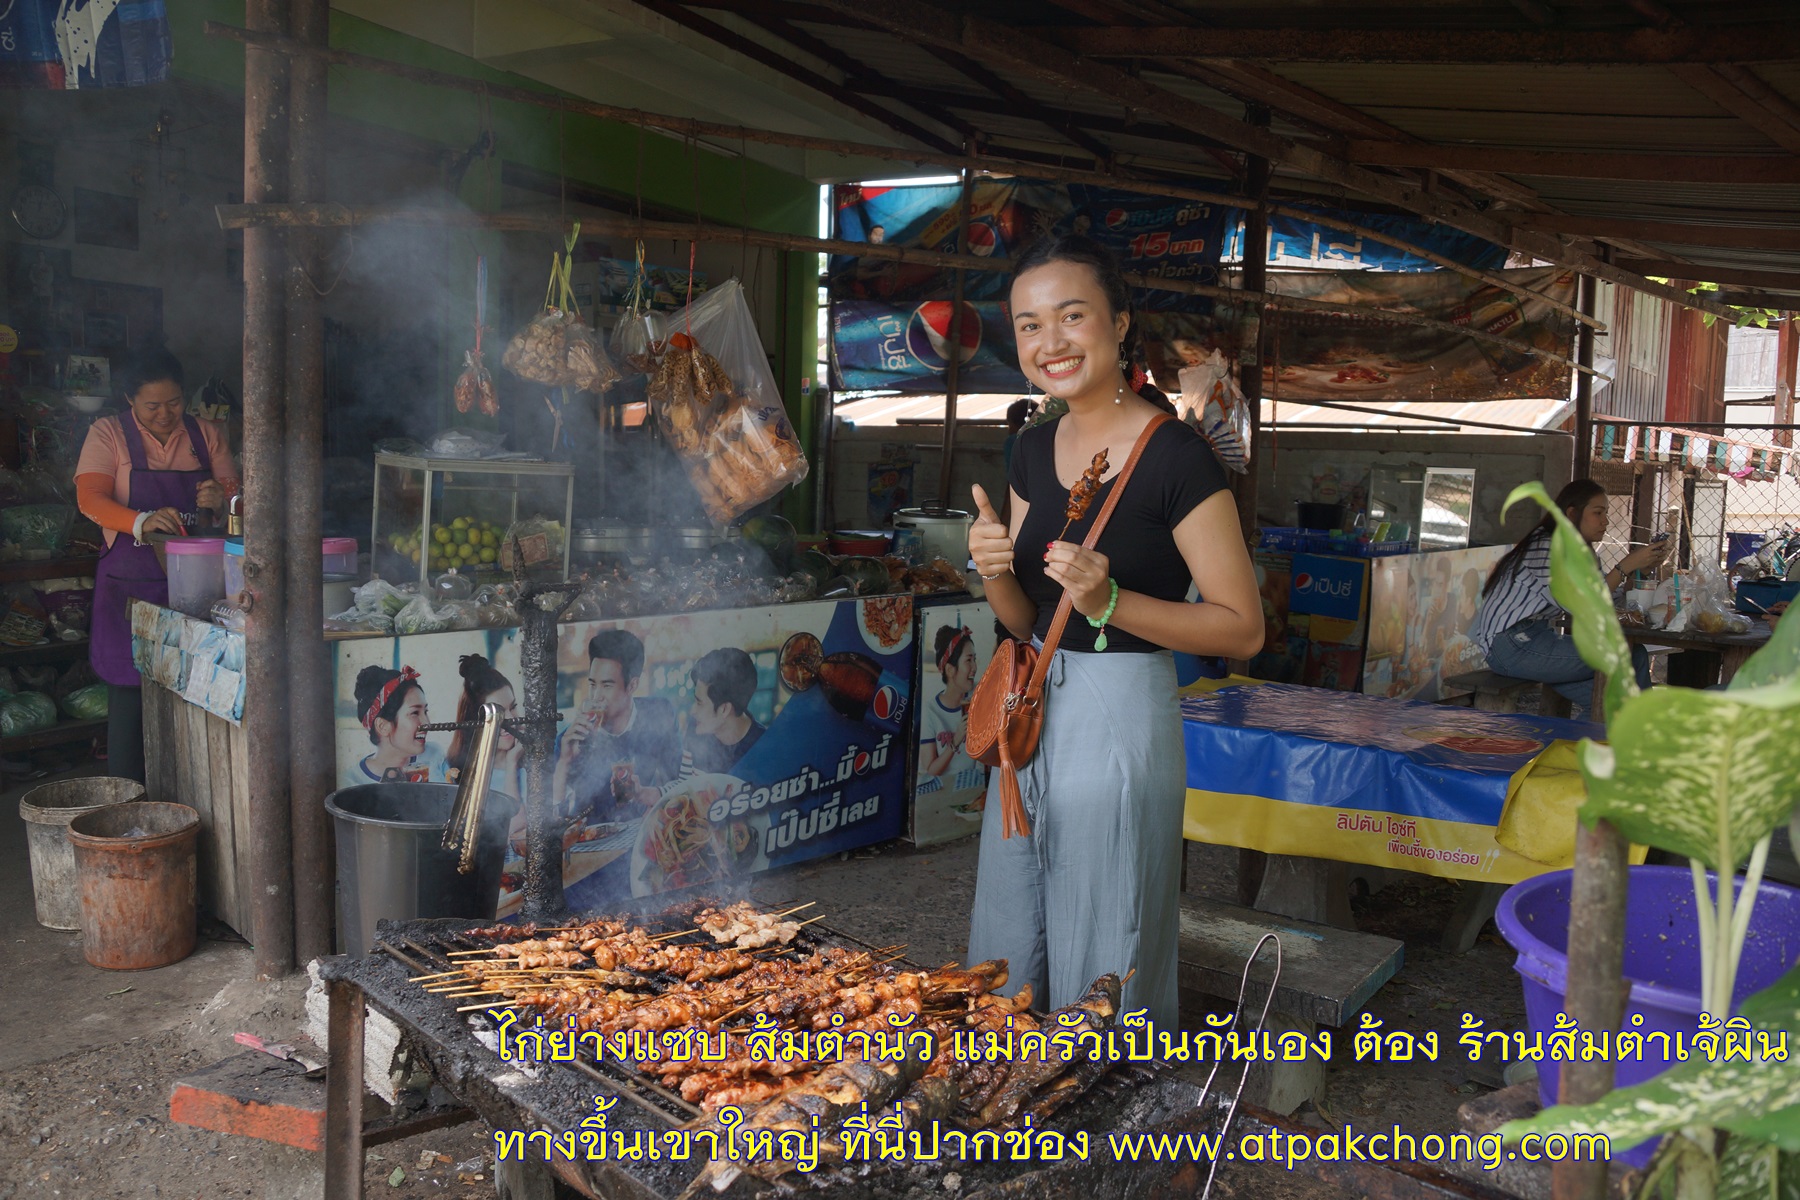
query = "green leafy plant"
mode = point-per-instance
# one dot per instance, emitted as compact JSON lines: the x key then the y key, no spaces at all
{"x":1708,"y":775}
{"x":1747,"y":315}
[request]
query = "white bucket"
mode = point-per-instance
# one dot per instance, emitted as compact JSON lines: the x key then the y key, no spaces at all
{"x":47,"y":811}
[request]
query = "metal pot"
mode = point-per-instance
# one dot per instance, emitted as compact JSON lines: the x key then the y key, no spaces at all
{"x":687,"y":541}
{"x":613,"y":540}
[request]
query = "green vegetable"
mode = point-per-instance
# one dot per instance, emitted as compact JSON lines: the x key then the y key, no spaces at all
{"x":86,"y":703}
{"x":26,"y":712}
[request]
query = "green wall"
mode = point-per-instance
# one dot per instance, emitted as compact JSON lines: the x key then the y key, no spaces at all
{"x":602,"y":154}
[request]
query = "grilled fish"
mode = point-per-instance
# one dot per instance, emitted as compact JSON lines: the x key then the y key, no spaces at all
{"x":1097,"y":1009}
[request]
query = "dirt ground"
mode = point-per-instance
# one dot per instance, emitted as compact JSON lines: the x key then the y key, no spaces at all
{"x":92,"y":1123}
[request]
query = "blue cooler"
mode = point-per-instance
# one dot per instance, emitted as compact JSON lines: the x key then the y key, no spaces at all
{"x":1764,"y":592}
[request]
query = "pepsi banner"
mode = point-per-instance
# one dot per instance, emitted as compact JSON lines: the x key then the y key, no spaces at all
{"x":877,"y":346}
{"x":1296,"y":242}
{"x":66,"y":44}
{"x":1152,"y":235}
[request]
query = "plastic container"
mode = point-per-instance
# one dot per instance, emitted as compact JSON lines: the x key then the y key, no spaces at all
{"x":1662,"y":959}
{"x":47,"y":811}
{"x":922,"y":534}
{"x":340,"y":556}
{"x":196,"y":575}
{"x":136,"y":864}
{"x":391,"y":864}
{"x":1756,"y":596}
{"x":234,"y":566}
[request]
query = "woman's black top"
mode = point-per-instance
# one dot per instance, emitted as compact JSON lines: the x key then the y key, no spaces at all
{"x":1177,"y":472}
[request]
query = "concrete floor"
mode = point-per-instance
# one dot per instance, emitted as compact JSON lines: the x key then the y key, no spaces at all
{"x":44,"y":972}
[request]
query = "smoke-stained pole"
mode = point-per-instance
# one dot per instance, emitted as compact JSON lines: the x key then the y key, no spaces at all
{"x":310,"y":770}
{"x":266,"y":678}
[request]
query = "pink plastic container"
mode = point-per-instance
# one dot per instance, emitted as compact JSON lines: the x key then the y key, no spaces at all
{"x":340,"y":556}
{"x":196,"y":574}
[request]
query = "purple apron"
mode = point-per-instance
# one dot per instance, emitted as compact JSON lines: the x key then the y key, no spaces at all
{"x":128,"y":571}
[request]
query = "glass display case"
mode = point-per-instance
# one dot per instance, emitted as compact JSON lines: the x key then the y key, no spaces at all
{"x":432,"y":514}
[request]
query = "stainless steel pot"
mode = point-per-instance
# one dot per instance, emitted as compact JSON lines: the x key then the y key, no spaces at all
{"x":613,"y":539}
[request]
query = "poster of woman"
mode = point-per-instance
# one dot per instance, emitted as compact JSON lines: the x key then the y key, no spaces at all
{"x":955,"y":642}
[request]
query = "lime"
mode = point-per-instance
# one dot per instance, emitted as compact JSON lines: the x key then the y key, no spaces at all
{"x":460,"y":523}
{"x":489,"y":538}
{"x":413,"y":554}
{"x":489,"y":554}
{"x":441,"y":535}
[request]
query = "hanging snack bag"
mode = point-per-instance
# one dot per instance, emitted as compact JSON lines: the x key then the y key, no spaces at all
{"x":475,"y":387}
{"x":716,"y":404}
{"x":1214,"y":406}
{"x":557,"y":348}
{"x":637,"y":340}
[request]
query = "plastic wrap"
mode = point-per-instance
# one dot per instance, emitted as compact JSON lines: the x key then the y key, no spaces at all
{"x":36,"y":530}
{"x":86,"y":703}
{"x":26,"y":712}
{"x":557,"y":348}
{"x":717,"y":405}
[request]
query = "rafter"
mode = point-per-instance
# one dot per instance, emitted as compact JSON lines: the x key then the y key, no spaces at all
{"x":737,"y":42}
{"x":1016,"y":50}
{"x":1736,"y":237}
{"x":1023,"y":105}
{"x":1775,"y":41}
{"x":1775,"y":281}
{"x":1673,"y":168}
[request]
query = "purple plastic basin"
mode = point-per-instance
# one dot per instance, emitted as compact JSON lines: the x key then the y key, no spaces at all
{"x":1662,"y":959}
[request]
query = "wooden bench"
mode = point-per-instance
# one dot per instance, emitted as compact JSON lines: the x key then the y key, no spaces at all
{"x":1327,"y":975}
{"x":1490,"y":691}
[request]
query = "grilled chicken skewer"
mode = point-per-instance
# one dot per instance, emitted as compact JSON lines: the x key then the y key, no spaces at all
{"x":1083,"y":493}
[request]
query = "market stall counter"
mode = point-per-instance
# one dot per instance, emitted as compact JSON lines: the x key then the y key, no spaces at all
{"x":1322,"y":776}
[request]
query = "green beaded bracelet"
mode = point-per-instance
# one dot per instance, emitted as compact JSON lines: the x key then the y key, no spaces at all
{"x":1100,"y":621}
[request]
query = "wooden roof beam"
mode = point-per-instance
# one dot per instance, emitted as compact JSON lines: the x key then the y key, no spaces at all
{"x":1019,"y":50}
{"x":1773,"y":41}
{"x":757,"y":52}
{"x":1775,"y":281}
{"x":1673,"y":168}
{"x":1023,"y":105}
{"x":1732,"y":91}
{"x":1734,"y":237}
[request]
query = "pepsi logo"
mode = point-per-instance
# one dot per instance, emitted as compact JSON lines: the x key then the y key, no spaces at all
{"x":887,"y":704}
{"x":928,"y":333}
{"x":1116,"y":217}
{"x":861,"y":763}
{"x":1303,"y":582}
{"x":984,"y":241}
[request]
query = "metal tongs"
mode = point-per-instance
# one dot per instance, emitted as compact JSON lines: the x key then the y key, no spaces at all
{"x":1236,"y":1017}
{"x":463,"y":830}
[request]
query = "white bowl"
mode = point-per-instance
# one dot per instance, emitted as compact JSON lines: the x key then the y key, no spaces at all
{"x":86,"y":404}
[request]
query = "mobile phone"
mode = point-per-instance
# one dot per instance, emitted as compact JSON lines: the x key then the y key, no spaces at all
{"x":1659,"y":539}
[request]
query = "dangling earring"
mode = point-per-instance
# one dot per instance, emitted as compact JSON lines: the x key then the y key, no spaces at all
{"x":1124,"y":375}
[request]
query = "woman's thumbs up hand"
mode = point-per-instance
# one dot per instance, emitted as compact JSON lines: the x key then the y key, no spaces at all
{"x":990,"y":545}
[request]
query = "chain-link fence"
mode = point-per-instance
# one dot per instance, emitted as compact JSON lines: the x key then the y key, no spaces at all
{"x":1716,"y":491}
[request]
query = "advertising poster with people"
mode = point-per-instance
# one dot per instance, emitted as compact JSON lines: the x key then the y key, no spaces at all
{"x":956,"y":643}
{"x":690,"y":750}
{"x":1422,"y":607}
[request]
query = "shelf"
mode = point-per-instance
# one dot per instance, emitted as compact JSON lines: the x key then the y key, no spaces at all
{"x":62,"y":731}
{"x":474,"y":466}
{"x":11,"y":656}
{"x":48,"y":568}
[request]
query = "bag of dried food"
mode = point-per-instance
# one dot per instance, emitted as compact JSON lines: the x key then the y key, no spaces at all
{"x":637,"y":340}
{"x":717,"y":405}
{"x":557,"y":348}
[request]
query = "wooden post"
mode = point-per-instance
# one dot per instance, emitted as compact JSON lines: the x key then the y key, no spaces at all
{"x":953,"y":357}
{"x":1254,"y":279}
{"x":1596,"y":984}
{"x":266,"y":501}
{"x":1584,"y":382}
{"x":311,"y":760}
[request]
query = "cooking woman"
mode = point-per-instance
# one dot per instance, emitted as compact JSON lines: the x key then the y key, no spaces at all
{"x":1095,"y":886}
{"x":147,"y":471}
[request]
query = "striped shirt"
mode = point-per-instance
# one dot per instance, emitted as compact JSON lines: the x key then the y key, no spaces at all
{"x":1520,"y":595}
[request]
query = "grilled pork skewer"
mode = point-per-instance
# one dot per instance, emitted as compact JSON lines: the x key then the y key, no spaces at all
{"x":1083,"y":493}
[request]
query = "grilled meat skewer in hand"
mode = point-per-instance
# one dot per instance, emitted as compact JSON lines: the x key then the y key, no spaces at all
{"x":1081,"y":496}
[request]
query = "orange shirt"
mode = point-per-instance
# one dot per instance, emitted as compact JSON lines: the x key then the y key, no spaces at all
{"x":104,"y":455}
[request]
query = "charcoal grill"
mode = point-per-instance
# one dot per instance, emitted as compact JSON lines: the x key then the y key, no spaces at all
{"x":556,"y":1096}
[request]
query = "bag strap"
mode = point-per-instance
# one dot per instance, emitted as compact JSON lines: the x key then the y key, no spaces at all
{"x":1066,"y":605}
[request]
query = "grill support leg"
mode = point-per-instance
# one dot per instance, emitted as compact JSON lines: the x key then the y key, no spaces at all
{"x":343,"y":1093}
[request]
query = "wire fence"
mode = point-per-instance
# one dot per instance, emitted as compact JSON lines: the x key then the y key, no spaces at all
{"x":1716,"y":491}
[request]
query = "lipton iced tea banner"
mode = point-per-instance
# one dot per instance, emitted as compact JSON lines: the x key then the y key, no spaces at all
{"x":1441,"y":791}
{"x":692,"y":749}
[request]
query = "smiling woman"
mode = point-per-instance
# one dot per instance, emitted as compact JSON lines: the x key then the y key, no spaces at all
{"x":1093,"y":887}
{"x":150,"y":470}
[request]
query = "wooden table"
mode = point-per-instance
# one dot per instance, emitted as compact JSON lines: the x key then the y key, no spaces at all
{"x":1705,"y":659}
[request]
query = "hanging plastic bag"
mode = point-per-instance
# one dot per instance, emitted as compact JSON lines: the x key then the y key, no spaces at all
{"x":475,"y":387}
{"x":1214,"y":406}
{"x":717,"y":405}
{"x":638,"y":340}
{"x":1713,"y":609}
{"x":557,"y":348}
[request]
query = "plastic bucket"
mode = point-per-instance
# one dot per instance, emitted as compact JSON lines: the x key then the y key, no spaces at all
{"x":1662,"y":959}
{"x":47,"y":811}
{"x":391,"y":864}
{"x":136,"y":864}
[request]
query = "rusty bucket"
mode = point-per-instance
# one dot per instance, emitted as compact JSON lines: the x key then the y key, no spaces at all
{"x":136,"y":864}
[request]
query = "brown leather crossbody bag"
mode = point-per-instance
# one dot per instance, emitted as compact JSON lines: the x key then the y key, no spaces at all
{"x":1006,"y":713}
